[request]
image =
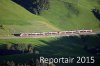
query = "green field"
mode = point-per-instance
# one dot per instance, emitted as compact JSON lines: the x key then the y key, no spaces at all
{"x":61,"y":15}
{"x":70,"y":46}
{"x":72,"y":14}
{"x":16,"y":19}
{"x":53,"y":47}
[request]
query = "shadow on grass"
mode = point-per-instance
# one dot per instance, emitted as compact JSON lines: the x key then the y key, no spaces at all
{"x":33,"y":6}
{"x":96,"y":13}
{"x":68,"y":46}
{"x":64,"y":46}
{"x":71,"y":46}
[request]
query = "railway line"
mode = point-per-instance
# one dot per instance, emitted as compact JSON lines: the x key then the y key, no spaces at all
{"x":52,"y":34}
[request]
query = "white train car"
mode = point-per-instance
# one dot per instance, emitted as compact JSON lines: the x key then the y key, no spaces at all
{"x":23,"y":34}
{"x":51,"y":33}
{"x":70,"y":32}
{"x":61,"y":33}
{"x":31,"y":34}
{"x":84,"y":31}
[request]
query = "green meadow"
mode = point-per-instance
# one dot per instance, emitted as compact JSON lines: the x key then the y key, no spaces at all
{"x":61,"y":15}
{"x":72,"y":14}
{"x":16,"y":19}
{"x":70,"y":46}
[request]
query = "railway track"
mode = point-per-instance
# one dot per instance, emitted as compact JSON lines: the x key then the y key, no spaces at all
{"x":52,"y":34}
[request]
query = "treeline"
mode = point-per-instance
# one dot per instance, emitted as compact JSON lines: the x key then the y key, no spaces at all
{"x":6,"y":49}
{"x":34,"y":6}
{"x":23,"y":48}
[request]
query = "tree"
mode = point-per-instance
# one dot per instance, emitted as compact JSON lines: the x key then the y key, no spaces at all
{"x":8,"y":46}
{"x":12,"y":63}
{"x":8,"y":63}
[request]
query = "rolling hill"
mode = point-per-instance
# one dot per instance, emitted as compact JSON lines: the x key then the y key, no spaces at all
{"x":72,"y":14}
{"x":16,"y":19}
{"x":61,"y":15}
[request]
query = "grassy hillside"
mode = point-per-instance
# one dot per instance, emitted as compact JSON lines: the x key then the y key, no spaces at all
{"x":73,"y":14}
{"x":61,"y":15}
{"x":58,"y":46}
{"x":15,"y":19}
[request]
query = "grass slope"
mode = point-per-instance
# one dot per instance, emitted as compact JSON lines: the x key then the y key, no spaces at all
{"x":16,"y":19}
{"x":69,"y":46}
{"x":62,"y":14}
{"x":72,"y":14}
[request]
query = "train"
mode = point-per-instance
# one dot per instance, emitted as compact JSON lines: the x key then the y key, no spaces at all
{"x":55,"y":33}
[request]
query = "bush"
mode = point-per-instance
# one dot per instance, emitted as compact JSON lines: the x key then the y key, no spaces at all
{"x":1,"y":26}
